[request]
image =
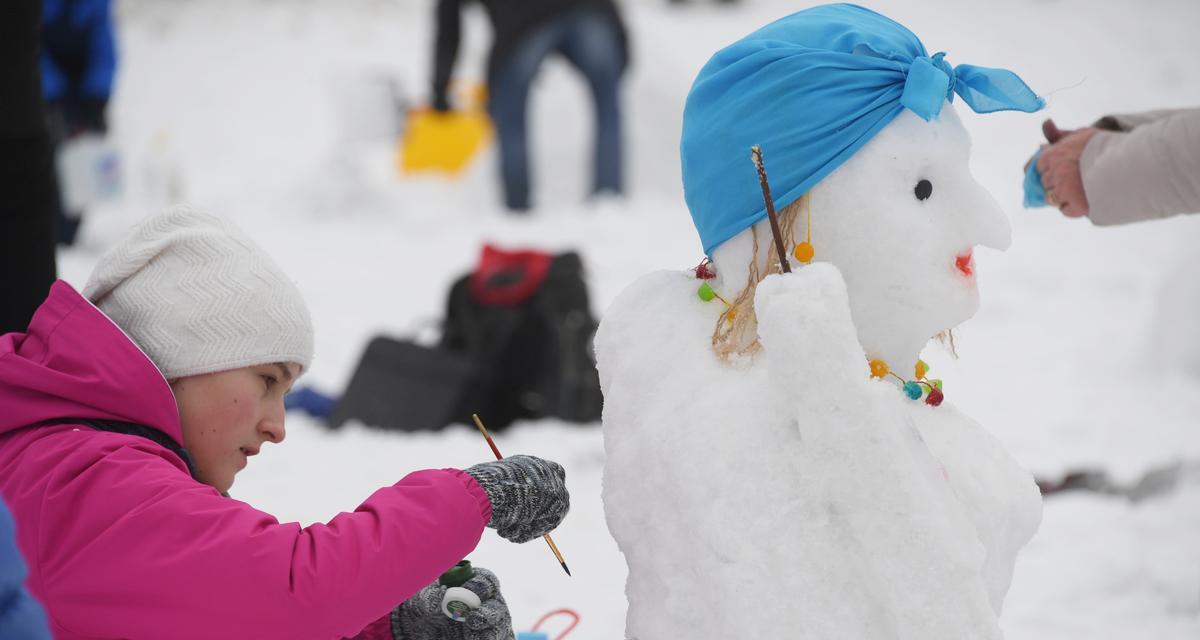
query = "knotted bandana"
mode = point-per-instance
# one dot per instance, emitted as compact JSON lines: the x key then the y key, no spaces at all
{"x":812,"y":89}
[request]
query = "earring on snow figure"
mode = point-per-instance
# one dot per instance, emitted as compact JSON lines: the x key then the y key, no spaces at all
{"x":803,"y":252}
{"x":704,"y":271}
{"x":914,"y":389}
{"x":708,"y":294}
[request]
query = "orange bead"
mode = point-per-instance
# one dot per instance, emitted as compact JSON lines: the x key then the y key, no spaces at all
{"x":879,"y":368}
{"x":921,"y":369}
{"x":804,"y":252}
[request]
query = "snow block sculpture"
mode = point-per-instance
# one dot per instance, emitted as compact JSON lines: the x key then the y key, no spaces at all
{"x":759,"y":481}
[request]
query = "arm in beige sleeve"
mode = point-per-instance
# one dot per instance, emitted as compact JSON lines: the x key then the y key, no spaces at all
{"x":1150,"y":172}
{"x":1131,"y":121}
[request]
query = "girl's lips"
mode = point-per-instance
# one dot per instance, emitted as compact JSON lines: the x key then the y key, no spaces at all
{"x":964,"y":263}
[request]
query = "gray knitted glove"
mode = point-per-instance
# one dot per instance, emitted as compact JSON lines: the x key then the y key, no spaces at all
{"x":528,"y":495}
{"x":421,"y":618}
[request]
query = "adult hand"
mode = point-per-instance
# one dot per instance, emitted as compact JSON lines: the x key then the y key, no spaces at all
{"x":421,"y":616}
{"x":528,"y":495}
{"x":1059,"y":166}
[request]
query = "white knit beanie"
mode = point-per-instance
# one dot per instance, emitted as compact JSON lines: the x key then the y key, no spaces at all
{"x":199,"y":296}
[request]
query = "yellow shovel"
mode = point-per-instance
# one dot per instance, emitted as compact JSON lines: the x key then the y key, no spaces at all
{"x":445,"y":142}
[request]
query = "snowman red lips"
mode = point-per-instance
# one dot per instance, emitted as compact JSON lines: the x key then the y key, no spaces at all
{"x":965,"y":263}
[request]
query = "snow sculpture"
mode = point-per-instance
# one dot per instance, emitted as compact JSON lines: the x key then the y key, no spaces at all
{"x":760,"y":482}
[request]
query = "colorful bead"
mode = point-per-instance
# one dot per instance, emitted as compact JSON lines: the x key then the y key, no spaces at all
{"x":804,"y":252}
{"x":705,"y":292}
{"x":914,"y":389}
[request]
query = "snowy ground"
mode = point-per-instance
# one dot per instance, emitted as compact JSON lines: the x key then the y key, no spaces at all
{"x":276,"y":114}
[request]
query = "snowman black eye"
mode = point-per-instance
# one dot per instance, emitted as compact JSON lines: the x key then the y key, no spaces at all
{"x":923,"y":190}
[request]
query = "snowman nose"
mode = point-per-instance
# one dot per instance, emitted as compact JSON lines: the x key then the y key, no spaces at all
{"x":986,"y":223}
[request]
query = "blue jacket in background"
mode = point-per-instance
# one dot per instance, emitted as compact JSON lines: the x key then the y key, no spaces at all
{"x":79,"y":57}
{"x":21,"y":617}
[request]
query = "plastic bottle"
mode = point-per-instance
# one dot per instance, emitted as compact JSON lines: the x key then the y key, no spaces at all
{"x":458,"y":601}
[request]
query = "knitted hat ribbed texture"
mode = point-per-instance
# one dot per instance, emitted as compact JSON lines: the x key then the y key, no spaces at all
{"x":199,"y":296}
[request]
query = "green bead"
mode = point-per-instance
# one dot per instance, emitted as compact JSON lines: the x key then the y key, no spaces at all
{"x":937,"y":383}
{"x":912,"y":389}
{"x":706,"y":293}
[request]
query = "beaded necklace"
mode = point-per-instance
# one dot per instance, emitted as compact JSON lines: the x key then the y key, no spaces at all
{"x":915,"y":388}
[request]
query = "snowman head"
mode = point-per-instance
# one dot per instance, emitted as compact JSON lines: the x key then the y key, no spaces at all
{"x":856,"y":126}
{"x":904,"y":217}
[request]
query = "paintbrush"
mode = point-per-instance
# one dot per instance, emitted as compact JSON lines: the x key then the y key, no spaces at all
{"x":549,"y":540}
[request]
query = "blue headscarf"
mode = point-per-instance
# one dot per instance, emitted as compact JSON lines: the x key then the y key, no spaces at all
{"x":812,"y":89}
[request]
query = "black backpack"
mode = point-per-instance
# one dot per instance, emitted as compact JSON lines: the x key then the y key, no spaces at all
{"x":527,"y":357}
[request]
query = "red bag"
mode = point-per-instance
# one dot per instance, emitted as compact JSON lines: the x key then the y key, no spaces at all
{"x":508,"y":277}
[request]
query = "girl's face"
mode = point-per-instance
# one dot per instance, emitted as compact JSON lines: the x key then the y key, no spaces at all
{"x":228,"y":415}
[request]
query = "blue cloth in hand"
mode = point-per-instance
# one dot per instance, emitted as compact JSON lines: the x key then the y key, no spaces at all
{"x":1035,"y":194}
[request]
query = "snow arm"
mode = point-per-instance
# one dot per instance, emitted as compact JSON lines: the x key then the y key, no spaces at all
{"x":805,"y":326}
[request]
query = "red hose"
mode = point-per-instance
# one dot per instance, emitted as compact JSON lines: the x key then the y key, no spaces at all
{"x":570,"y":612}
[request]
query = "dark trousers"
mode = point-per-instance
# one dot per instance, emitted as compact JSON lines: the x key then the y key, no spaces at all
{"x":28,"y":206}
{"x":592,"y":44}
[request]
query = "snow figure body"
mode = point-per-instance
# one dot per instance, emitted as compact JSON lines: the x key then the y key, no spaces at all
{"x":759,"y":481}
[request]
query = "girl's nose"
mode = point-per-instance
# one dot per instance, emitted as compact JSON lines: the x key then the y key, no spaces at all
{"x":273,"y":430}
{"x":272,"y":426}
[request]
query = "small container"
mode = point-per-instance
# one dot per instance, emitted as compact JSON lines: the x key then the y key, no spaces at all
{"x":89,"y":171}
{"x":533,"y":635}
{"x":458,"y":601}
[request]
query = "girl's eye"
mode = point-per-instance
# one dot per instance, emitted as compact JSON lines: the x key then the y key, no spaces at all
{"x":269,"y":381}
{"x":923,"y":190}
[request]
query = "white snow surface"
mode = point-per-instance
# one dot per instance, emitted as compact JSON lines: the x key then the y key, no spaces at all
{"x":275,"y":115}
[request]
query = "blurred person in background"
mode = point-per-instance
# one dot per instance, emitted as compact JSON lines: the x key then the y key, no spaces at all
{"x":588,"y":33}
{"x":128,"y":413}
{"x":79,"y":61}
{"x":27,"y":180}
{"x":1124,"y":168}
{"x":21,"y":617}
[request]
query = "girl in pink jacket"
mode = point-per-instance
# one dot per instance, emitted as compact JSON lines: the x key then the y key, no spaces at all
{"x":124,"y":416}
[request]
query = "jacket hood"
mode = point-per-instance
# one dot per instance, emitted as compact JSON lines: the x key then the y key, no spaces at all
{"x":74,"y":362}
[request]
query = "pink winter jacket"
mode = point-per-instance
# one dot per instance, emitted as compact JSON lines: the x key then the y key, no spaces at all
{"x":123,"y":543}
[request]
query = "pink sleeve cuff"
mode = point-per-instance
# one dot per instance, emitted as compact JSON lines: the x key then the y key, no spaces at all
{"x":476,"y":491}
